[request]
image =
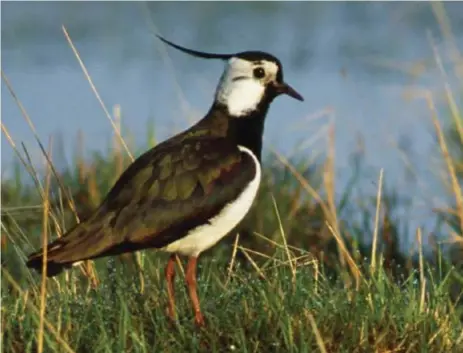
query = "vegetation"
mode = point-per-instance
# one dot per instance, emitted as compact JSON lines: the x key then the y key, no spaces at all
{"x":305,"y":272}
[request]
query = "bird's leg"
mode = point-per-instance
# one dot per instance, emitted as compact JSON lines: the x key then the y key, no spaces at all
{"x":191,"y":282}
{"x":170,"y":275}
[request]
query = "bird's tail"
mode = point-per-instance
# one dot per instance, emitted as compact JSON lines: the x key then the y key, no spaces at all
{"x":85,"y":241}
{"x":54,"y":268}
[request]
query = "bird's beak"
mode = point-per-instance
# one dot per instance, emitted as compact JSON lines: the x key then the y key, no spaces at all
{"x":284,"y":88}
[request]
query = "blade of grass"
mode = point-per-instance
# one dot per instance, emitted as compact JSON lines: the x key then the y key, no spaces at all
{"x":43,"y":287}
{"x":285,"y":244}
{"x":274,"y":243}
{"x":318,"y":336}
{"x":30,"y":168}
{"x":447,"y":158}
{"x":353,"y":266}
{"x":455,"y":112}
{"x":375,"y":232}
{"x":446,"y":30}
{"x":232,"y":261}
{"x":421,"y":267}
{"x":258,"y":253}
{"x":95,"y":91}
{"x":253,"y":263}
{"x":329,"y":180}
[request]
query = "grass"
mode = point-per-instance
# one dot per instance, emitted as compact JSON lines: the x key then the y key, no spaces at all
{"x":305,"y":272}
{"x":249,"y":313}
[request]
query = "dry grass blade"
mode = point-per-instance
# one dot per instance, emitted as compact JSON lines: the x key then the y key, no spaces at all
{"x":455,"y":238}
{"x":421,"y":264}
{"x":253,"y":263}
{"x":43,"y":286}
{"x":308,"y":260}
{"x":350,"y":261}
{"x":20,"y":105}
{"x":329,"y":180}
{"x":274,"y":243}
{"x":316,"y":275}
{"x":302,"y":181}
{"x":285,"y":244}
{"x":117,"y":151}
{"x":455,"y":113}
{"x":318,"y":336}
{"x":258,"y":253}
{"x":375,"y":232}
{"x":445,"y":210}
{"x":444,"y":23}
{"x":446,"y":155}
{"x":320,"y":114}
{"x":64,"y":345}
{"x":95,"y":91}
{"x":26,"y":165}
{"x":232,"y":261}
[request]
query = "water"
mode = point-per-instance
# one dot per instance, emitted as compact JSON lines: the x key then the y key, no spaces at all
{"x":347,"y":60}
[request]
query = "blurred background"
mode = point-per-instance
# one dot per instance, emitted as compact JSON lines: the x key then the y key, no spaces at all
{"x":360,"y":66}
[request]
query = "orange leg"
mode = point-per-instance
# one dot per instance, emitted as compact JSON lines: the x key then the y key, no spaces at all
{"x":191,"y":282}
{"x":170,"y":275}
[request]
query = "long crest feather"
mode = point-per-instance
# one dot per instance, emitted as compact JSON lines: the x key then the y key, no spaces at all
{"x":196,"y":53}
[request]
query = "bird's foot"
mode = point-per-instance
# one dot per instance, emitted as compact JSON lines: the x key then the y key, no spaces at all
{"x":199,"y":320}
{"x":171,"y":315}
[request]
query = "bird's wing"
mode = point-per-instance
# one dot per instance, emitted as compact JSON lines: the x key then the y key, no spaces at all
{"x":175,"y":188}
{"x":169,"y":190}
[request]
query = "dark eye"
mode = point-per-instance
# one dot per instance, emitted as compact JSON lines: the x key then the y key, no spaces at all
{"x":259,"y":72}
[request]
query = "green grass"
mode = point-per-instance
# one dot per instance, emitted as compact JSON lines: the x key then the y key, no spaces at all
{"x":248,"y":313}
{"x":299,"y":278}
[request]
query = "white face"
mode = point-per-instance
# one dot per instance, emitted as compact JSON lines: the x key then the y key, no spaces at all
{"x":239,"y":90}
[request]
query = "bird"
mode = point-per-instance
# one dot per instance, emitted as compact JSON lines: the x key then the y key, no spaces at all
{"x":188,"y":192}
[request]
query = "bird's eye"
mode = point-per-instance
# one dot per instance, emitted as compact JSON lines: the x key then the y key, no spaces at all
{"x":259,"y":72}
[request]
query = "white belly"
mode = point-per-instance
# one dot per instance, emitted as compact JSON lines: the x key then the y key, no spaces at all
{"x":203,"y":237}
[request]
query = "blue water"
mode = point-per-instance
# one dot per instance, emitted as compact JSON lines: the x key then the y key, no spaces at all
{"x":351,"y":62}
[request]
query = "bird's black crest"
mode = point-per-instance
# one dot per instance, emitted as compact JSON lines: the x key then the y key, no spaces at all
{"x":197,"y":53}
{"x":253,"y":56}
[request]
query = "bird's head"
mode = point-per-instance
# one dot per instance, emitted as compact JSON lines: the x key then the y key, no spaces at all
{"x":250,"y":79}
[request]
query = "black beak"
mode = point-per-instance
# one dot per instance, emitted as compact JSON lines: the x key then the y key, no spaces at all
{"x":284,"y":88}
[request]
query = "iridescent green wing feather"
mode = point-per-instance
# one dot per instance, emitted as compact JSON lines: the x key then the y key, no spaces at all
{"x":177,"y":189}
{"x":167,"y":191}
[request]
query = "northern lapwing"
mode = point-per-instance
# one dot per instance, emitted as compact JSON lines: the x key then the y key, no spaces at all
{"x":188,"y":192}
